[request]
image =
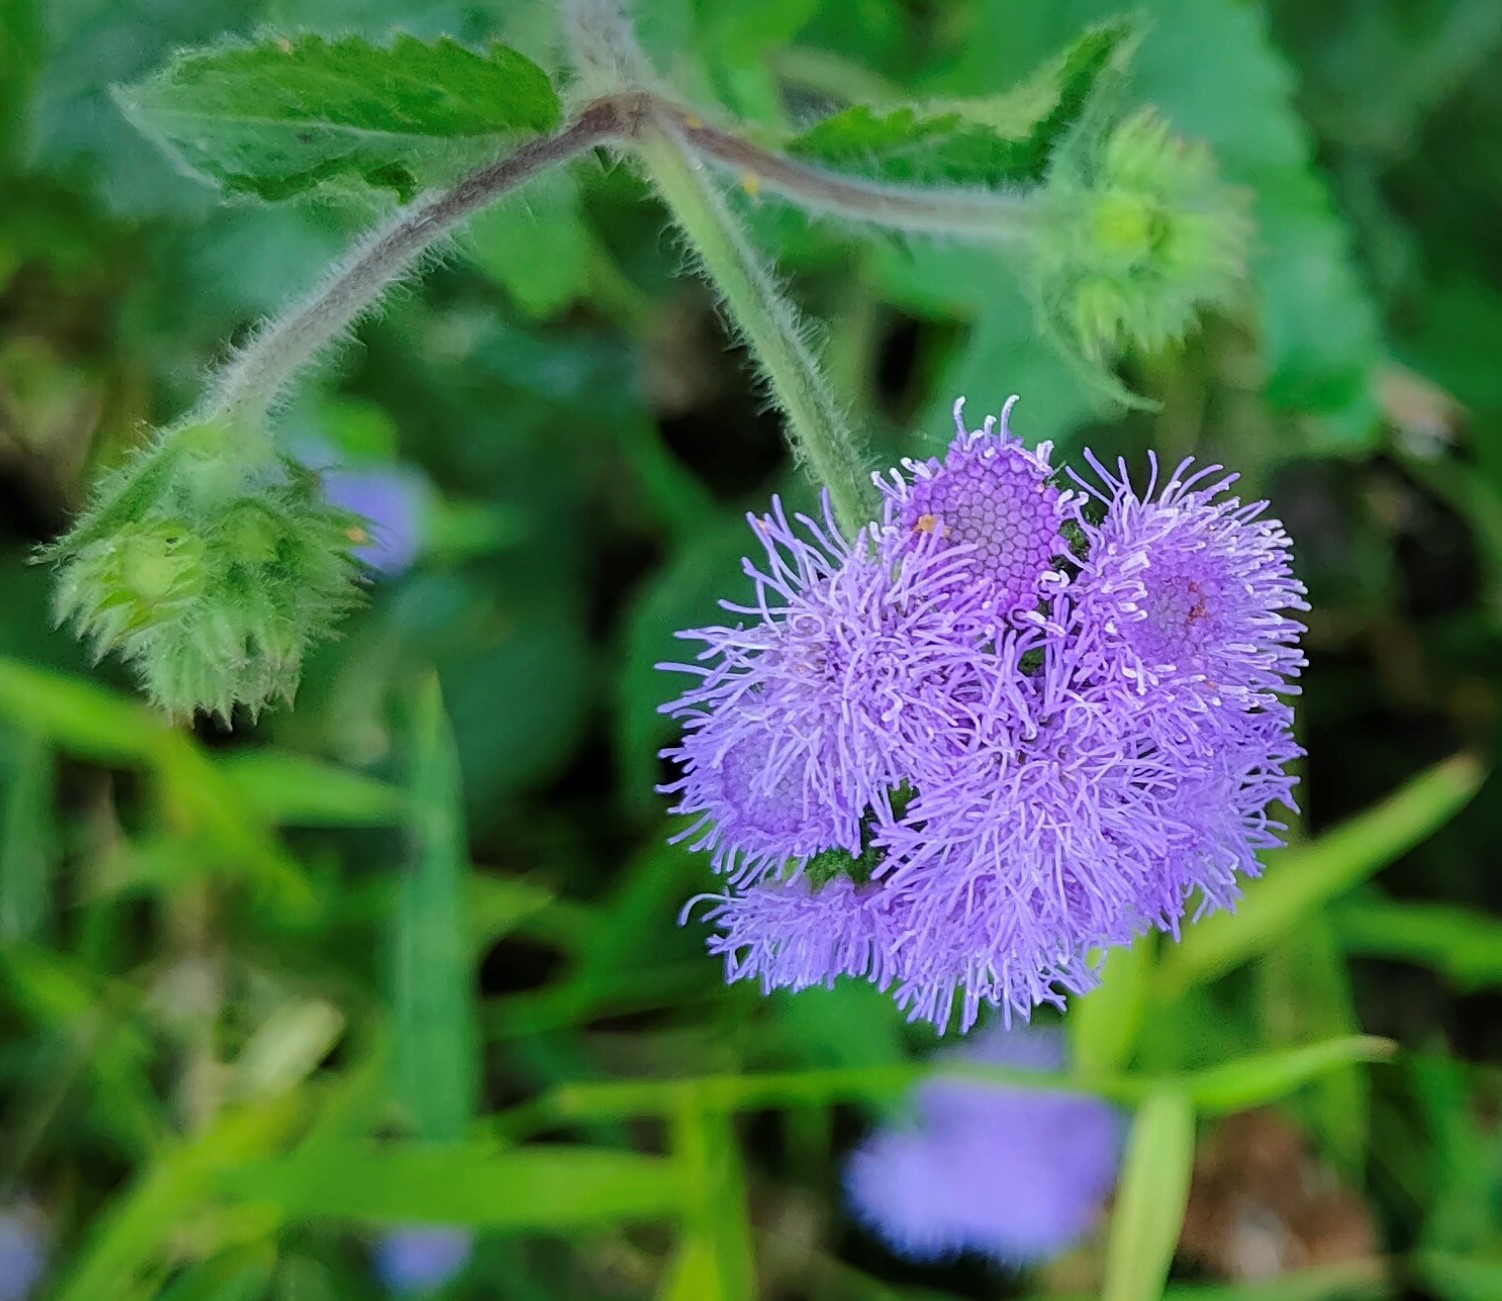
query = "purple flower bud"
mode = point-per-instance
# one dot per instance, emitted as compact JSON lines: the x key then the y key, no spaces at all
{"x":421,"y":1258}
{"x":1013,"y":1175}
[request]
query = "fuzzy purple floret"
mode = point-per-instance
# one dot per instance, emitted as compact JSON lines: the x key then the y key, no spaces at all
{"x":1026,"y":768}
{"x":1013,"y":1175}
{"x":852,"y":676}
{"x":991,"y":494}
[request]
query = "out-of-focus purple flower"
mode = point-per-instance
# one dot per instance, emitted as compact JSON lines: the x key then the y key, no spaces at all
{"x":1014,"y":1175}
{"x":421,"y":1258}
{"x":952,"y":760}
{"x":23,"y":1252}
{"x":853,"y":674}
{"x":390,"y":500}
{"x":992,"y":494}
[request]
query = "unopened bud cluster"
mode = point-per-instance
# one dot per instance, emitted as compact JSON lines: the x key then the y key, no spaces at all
{"x":1141,"y":235}
{"x":211,"y":563}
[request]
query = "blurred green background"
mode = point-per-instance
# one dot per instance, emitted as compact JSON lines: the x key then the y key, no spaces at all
{"x":437,"y":892}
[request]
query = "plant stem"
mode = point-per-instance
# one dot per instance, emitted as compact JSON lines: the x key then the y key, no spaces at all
{"x":817,"y":430}
{"x":254,"y":378}
{"x":965,"y":213}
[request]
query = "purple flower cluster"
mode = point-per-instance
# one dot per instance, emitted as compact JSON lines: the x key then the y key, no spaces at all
{"x":1015,"y":1175}
{"x":1010,"y":723}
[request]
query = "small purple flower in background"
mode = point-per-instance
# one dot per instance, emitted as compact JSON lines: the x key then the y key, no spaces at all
{"x":421,"y":1258}
{"x":23,"y":1251}
{"x":390,"y":499}
{"x":1014,"y":1175}
{"x":957,"y":755}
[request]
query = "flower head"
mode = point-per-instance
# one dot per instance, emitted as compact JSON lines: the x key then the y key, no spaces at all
{"x":955,"y":773}
{"x":1010,"y":1174}
{"x":991,"y":495}
{"x":421,"y":1258}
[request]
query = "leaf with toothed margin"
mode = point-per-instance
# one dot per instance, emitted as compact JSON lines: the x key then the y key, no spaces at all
{"x":998,"y":140}
{"x":279,"y":116}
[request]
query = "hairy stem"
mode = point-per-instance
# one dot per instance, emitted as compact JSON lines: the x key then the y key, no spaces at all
{"x":254,"y":378}
{"x":817,"y":429}
{"x":964,"y":213}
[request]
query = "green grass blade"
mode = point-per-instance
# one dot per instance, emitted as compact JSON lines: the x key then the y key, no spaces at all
{"x":715,"y":1260}
{"x":1460,"y":943}
{"x":298,"y":790}
{"x":1247,"y":1082}
{"x":1103,"y":1024}
{"x":141,"y":1221}
{"x":1150,"y":1199}
{"x":538,"y":1188}
{"x":436,"y":1052}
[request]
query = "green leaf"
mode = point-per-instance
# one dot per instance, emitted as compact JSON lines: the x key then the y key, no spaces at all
{"x":715,"y":1260}
{"x":277,"y":117}
{"x":1306,"y":877}
{"x":1460,"y":1278}
{"x":1303,"y":994}
{"x":437,"y":1028}
{"x":554,"y":1189}
{"x":29,"y":839}
{"x":1103,"y":1024}
{"x":140,"y":1221}
{"x":1150,"y":1200}
{"x":1461,"y":943}
{"x":535,"y":245}
{"x":84,"y":719}
{"x":994,"y":141}
{"x":297,"y":790}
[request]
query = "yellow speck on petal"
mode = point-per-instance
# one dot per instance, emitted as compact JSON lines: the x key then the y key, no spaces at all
{"x":357,"y":535}
{"x":926,"y":523}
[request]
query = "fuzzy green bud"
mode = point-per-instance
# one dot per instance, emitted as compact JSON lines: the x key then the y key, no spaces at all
{"x":210,"y":563}
{"x":1140,"y":236}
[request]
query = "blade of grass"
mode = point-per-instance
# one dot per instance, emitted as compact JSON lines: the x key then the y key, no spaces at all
{"x":715,"y":1261}
{"x":1150,"y":1199}
{"x":1103,"y":1024}
{"x":1232,"y":1086}
{"x":436,"y":1056}
{"x":136,"y":1228}
{"x":545,"y":1188}
{"x":1460,"y":943}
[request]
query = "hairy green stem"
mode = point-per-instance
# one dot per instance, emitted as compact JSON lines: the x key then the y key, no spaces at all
{"x":260,"y":371}
{"x":817,"y":429}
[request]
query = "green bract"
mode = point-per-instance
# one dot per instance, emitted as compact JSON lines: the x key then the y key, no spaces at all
{"x":212,"y":564}
{"x":1140,"y":236}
